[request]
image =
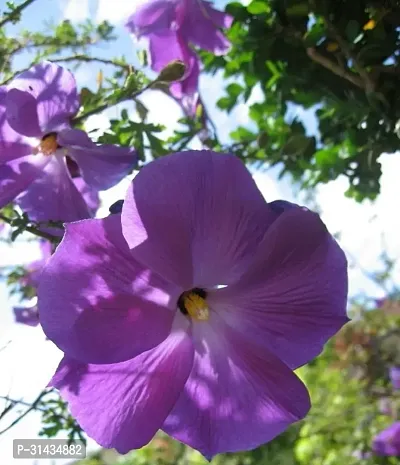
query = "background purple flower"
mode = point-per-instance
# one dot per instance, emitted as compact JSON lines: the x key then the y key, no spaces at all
{"x":227,"y":354}
{"x":171,"y":27}
{"x":35,"y":113}
{"x":387,"y":442}
{"x":29,"y":315}
{"x":394,"y":374}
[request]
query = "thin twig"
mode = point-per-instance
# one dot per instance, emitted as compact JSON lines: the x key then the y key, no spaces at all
{"x":31,"y":229}
{"x":369,"y":84}
{"x":21,"y":402}
{"x":105,"y":106}
{"x":8,"y":17}
{"x":125,"y":67}
{"x":32,"y":406}
{"x":334,"y":67}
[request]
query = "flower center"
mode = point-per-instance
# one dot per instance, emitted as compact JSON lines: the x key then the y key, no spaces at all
{"x":194,"y":304}
{"x":49,"y":145}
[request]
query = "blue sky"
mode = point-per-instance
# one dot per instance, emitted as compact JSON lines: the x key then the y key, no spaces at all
{"x":28,"y":360}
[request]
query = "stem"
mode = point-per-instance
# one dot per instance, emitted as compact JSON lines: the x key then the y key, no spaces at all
{"x":335,"y":68}
{"x":31,"y":229}
{"x":125,"y":67}
{"x":369,"y":84}
{"x":20,"y":402}
{"x":33,"y":406}
{"x":8,"y":17}
{"x":105,"y":106}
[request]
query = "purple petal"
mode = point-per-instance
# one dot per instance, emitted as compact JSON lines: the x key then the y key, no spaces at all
{"x":122,"y":406}
{"x":26,"y":315}
{"x":201,"y":24}
{"x":54,"y":90}
{"x":53,"y":196}
{"x":237,"y":397}
{"x":21,"y":113}
{"x":18,"y":175}
{"x":90,"y":195}
{"x":101,"y":166}
{"x":387,"y":442}
{"x":96,"y":303}
{"x":185,"y":218}
{"x":165,"y":47}
{"x":293,"y":298}
{"x":152,"y":17}
{"x":189,"y":85}
{"x":12,"y":144}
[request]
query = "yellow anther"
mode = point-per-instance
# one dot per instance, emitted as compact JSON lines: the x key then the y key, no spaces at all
{"x":48,"y":145}
{"x":196,"y":306}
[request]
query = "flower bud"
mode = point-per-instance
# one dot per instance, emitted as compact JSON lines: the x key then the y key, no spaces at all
{"x":174,"y":71}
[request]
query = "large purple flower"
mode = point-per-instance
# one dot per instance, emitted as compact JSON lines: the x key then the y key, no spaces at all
{"x":190,"y":309}
{"x":387,"y":442}
{"x":172,"y":26}
{"x":36,"y":135}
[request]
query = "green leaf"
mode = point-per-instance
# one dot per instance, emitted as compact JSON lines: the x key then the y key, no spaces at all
{"x":353,"y":29}
{"x":315,"y":34}
{"x":234,"y":90}
{"x":258,"y":7}
{"x":298,"y":9}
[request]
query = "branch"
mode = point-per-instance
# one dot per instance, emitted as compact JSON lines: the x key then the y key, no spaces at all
{"x":9,"y":16}
{"x":33,"y":406}
{"x":31,"y":229}
{"x":369,"y":84}
{"x":105,"y":106}
{"x":21,"y":402}
{"x":125,"y":67}
{"x":334,"y":67}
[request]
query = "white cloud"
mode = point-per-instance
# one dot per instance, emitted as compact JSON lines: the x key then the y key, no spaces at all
{"x":115,"y":11}
{"x":75,"y":10}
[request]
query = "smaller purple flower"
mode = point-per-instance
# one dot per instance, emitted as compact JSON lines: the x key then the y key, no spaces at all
{"x":29,"y":315}
{"x":35,"y":117}
{"x":172,"y":27}
{"x":394,"y":374}
{"x":387,"y":442}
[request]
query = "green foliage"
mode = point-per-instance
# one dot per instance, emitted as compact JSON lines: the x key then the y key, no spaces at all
{"x":57,"y":419}
{"x":58,"y":40}
{"x":339,"y":57}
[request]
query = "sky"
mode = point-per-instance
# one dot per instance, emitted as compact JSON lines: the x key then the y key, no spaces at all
{"x":27,"y":360}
